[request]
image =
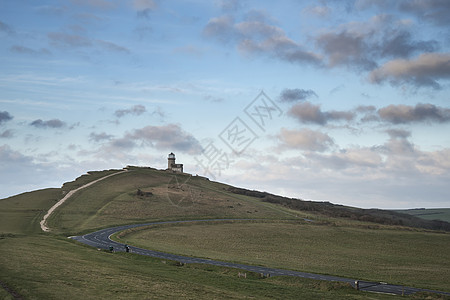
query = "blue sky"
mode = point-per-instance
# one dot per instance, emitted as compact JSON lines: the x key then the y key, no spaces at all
{"x":343,"y":101}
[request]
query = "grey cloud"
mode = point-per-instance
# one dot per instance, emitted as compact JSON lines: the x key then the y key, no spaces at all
{"x":365,"y":108}
{"x":255,"y":36}
{"x":54,"y":123}
{"x":230,"y":5}
{"x":168,"y":137}
{"x":98,"y":137}
{"x":346,"y":48}
{"x":71,"y":40}
{"x":29,"y":51}
{"x":398,"y":133}
{"x":361,"y":45}
{"x":291,"y":95}
{"x":305,"y":139}
{"x":435,"y":11}
{"x":144,"y":7}
{"x":100,"y":4}
{"x":136,"y":110}
{"x":6,"y":28}
{"x":425,"y":70}
{"x":317,"y":10}
{"x":65,"y":40}
{"x":6,"y":134}
{"x":112,"y":47}
{"x":306,"y":112}
{"x":5,"y":117}
{"x":221,"y":28}
{"x":401,"y":114}
{"x":400,"y":44}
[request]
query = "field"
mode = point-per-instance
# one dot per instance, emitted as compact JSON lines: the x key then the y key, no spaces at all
{"x":39,"y":265}
{"x":442,"y":214}
{"x":403,"y":257}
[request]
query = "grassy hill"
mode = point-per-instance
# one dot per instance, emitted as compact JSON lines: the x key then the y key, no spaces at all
{"x":40,"y":265}
{"x":441,"y":214}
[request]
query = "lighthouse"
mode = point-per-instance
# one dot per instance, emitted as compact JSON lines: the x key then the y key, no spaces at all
{"x":172,"y":166}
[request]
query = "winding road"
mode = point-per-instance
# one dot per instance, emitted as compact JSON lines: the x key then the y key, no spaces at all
{"x":102,"y":239}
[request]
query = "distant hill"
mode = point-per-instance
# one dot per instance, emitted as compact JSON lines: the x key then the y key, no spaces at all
{"x":386,"y":217}
{"x":442,"y":214}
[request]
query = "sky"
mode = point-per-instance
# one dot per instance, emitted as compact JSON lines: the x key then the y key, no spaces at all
{"x":340,"y":101}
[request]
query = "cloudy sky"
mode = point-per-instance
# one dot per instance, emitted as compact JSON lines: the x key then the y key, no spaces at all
{"x":344,"y":101}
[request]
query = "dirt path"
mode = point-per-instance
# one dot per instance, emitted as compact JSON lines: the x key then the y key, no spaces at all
{"x":43,"y":223}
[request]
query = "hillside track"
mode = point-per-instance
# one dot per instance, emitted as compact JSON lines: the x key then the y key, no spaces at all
{"x":43,"y":222}
{"x":102,"y":239}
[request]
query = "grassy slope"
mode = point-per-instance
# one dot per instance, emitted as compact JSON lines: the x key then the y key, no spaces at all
{"x":49,"y":266}
{"x":413,"y":258}
{"x":194,"y":197}
{"x":442,"y":214}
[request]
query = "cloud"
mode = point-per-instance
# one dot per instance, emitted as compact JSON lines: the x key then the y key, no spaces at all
{"x":306,"y":112}
{"x":68,"y":40}
{"x":256,"y":36}
{"x":291,"y":95}
{"x":6,"y":28}
{"x":54,"y":123}
{"x":361,"y":45}
{"x":5,"y":117}
{"x":65,"y":40}
{"x":168,"y":137}
{"x":305,"y":139}
{"x":230,"y":5}
{"x":401,"y":114}
{"x":398,"y":133}
{"x":399,"y":43}
{"x":144,"y":7}
{"x":435,"y":11}
{"x":98,"y":137}
{"x":100,"y":4}
{"x":346,"y":48}
{"x":136,"y":110}
{"x":317,"y":10}
{"x":425,"y":70}
{"x":6,"y":134}
{"x":112,"y":47}
{"x":29,"y":51}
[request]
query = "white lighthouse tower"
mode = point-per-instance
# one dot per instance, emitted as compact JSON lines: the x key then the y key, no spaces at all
{"x":172,"y":166}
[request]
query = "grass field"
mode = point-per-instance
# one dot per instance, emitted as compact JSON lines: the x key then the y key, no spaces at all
{"x":40,"y":265}
{"x":412,"y":258}
{"x":442,"y":214}
{"x":49,"y":267}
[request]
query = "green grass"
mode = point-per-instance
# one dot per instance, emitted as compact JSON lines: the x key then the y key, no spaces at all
{"x":442,"y":214}
{"x":49,"y":266}
{"x":116,"y":202}
{"x":22,"y":213}
{"x":414,"y":258}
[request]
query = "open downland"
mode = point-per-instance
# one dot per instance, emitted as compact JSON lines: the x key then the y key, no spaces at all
{"x":39,"y":265}
{"x":413,"y":258}
{"x":47,"y":267}
{"x":171,"y":197}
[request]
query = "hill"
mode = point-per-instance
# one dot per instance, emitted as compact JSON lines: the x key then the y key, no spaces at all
{"x":440,"y":214}
{"x":38,"y":265}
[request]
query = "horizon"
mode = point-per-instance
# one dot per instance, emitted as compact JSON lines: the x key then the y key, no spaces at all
{"x":343,"y":102}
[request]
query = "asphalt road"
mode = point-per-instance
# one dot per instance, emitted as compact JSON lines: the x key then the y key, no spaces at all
{"x":101,"y":239}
